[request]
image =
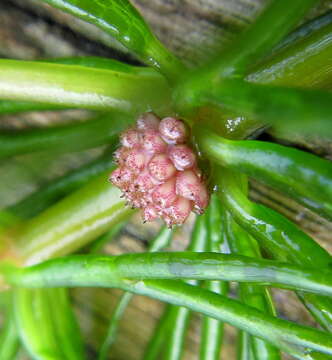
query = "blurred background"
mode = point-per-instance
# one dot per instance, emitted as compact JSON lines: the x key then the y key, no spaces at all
{"x":191,"y":29}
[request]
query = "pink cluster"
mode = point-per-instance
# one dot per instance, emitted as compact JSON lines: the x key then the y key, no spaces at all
{"x":158,"y":172}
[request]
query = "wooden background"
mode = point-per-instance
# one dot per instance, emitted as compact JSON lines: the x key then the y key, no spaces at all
{"x":192,"y":29}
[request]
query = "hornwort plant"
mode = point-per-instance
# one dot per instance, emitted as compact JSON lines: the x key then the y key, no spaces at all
{"x":217,"y":108}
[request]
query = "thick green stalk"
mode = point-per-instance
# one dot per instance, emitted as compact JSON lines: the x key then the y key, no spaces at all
{"x":161,"y":241}
{"x":244,"y":346}
{"x":181,"y":316}
{"x":98,"y":245}
{"x":114,"y":324}
{"x":158,"y":338}
{"x":73,"y":222}
{"x":303,"y":63}
{"x":122,"y":21}
{"x":174,"y":265}
{"x":256,"y":296}
{"x":279,"y":237}
{"x":176,"y":338}
{"x":301,"y":56}
{"x":296,"y":339}
{"x":271,"y":26}
{"x":11,"y":107}
{"x":83,"y":87}
{"x":60,"y":187}
{"x":66,"y":138}
{"x":274,"y":232}
{"x":98,"y":62}
{"x":290,"y":109}
{"x":212,"y":329}
{"x":303,"y":176}
{"x":53,"y":319}
{"x":9,"y":341}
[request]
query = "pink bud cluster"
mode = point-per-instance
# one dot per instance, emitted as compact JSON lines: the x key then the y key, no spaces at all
{"x":158,"y":171}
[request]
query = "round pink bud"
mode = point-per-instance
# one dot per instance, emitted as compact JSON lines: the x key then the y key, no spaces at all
{"x":153,"y":143}
{"x":178,"y":212}
{"x":182,"y":157}
{"x":149,"y":214}
{"x":135,"y":160}
{"x":165,"y":195}
{"x":161,"y":167}
{"x":121,"y":177}
{"x":148,"y":121}
{"x":120,"y":155}
{"x":172,"y":130}
{"x":115,"y":177}
{"x":144,"y":182}
{"x":201,"y":200}
{"x":130,"y":138}
{"x":187,"y":184}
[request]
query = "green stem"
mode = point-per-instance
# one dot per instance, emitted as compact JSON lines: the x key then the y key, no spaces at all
{"x":122,"y":21}
{"x":9,"y":340}
{"x":303,"y":63}
{"x":271,"y":26}
{"x":161,"y":241}
{"x":73,"y":222}
{"x":54,"y":320}
{"x":256,"y":296}
{"x":301,"y":57}
{"x":66,"y":138}
{"x":78,"y":86}
{"x":114,"y":324}
{"x":288,"y":336}
{"x":158,"y":338}
{"x":274,"y":232}
{"x":60,"y":187}
{"x":212,"y":329}
{"x":244,"y":346}
{"x":12,"y":107}
{"x":279,"y":237}
{"x":181,"y":316}
{"x":303,"y":176}
{"x":174,"y":265}
{"x":175,"y":341}
{"x":290,"y":109}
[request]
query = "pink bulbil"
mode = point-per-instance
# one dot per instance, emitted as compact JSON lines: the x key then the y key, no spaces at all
{"x":158,"y":171}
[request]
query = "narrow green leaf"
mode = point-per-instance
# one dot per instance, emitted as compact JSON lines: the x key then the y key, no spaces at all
{"x":303,"y":176}
{"x":161,"y":241}
{"x":65,"y":138}
{"x":290,"y":337}
{"x":12,"y":107}
{"x":176,"y":338}
{"x":275,"y":21}
{"x":212,"y":329}
{"x":276,"y":234}
{"x":46,"y":324}
{"x":122,"y":21}
{"x":73,"y":222}
{"x":279,"y":237}
{"x":60,"y":187}
{"x":82,"y":87}
{"x":174,"y":265}
{"x":244,"y":346}
{"x":305,"y":62}
{"x":180,"y":316}
{"x":256,"y":296}
{"x":157,"y":339}
{"x":289,"y":109}
{"x":9,"y":340}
